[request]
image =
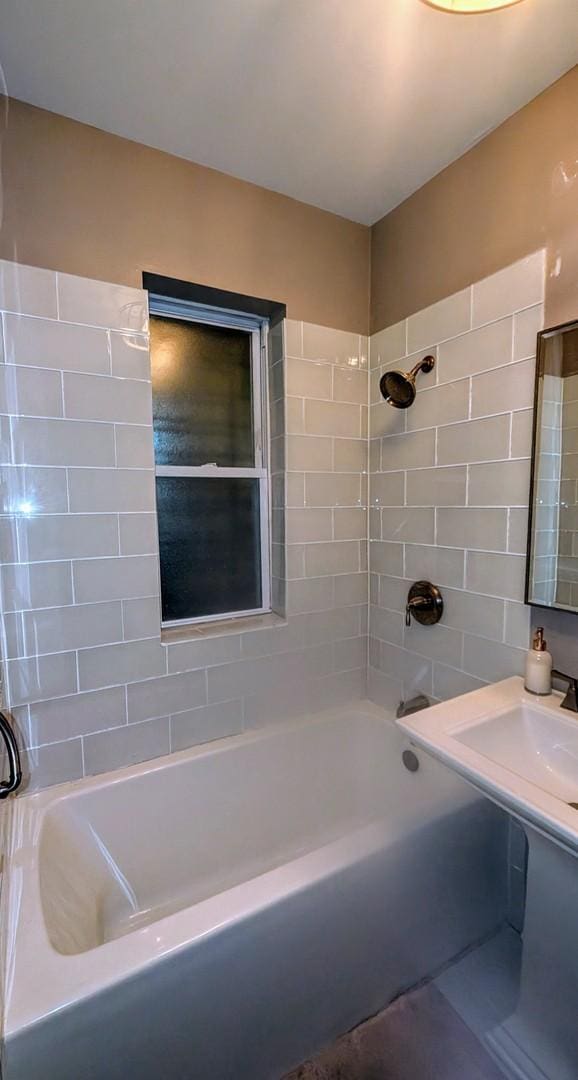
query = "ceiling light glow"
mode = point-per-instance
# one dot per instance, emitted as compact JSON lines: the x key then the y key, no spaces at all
{"x":470,"y":7}
{"x":26,"y":508}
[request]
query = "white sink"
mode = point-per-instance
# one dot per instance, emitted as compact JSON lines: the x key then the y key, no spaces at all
{"x":522,"y":751}
{"x":519,"y":749}
{"x":537,"y":744}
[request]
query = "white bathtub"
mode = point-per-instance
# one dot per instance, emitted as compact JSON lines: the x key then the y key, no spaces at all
{"x":222,"y":913}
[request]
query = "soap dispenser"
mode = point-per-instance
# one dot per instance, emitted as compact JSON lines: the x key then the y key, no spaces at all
{"x":538,"y":666}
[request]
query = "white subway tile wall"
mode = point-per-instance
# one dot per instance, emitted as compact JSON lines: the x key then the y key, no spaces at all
{"x":90,"y":683}
{"x":449,"y":488}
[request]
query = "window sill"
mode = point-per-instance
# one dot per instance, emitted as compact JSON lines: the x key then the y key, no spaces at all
{"x":203,"y":631}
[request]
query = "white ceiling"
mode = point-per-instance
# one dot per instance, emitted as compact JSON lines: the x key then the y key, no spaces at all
{"x":346,"y":104}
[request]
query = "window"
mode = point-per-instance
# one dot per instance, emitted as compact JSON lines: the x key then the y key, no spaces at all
{"x":208,"y":379}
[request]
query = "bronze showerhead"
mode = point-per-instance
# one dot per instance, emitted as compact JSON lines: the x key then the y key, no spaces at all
{"x":398,"y":388}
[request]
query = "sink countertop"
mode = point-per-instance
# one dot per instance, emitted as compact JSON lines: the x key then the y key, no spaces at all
{"x":519,"y":749}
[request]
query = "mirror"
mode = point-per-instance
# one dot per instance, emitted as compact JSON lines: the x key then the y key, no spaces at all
{"x":552,"y":565}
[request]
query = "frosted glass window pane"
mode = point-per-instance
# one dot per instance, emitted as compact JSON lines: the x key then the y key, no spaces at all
{"x":201,"y":378}
{"x":210,"y":548}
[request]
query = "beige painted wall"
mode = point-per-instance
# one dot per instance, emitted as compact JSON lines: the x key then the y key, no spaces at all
{"x":79,"y":200}
{"x":514,"y":192}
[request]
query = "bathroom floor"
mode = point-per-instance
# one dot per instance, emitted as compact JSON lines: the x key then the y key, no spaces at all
{"x":418,"y":1037}
{"x":435,"y":1031}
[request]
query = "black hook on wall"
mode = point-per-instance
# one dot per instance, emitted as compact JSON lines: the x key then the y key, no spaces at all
{"x":15,"y":768}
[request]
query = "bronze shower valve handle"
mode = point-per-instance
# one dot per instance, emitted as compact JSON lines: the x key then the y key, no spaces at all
{"x":425,"y":603}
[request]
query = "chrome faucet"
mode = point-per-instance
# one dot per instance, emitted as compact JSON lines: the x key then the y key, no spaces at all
{"x":571,"y":700}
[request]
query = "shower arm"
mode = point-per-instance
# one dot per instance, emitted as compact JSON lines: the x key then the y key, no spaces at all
{"x":422,"y":365}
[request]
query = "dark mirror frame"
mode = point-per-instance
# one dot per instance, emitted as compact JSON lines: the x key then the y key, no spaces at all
{"x":543,"y":335}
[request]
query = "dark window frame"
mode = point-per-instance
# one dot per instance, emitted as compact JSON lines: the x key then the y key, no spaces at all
{"x":184,"y":307}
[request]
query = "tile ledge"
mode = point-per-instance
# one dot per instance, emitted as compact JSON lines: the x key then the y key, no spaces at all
{"x":205,"y":631}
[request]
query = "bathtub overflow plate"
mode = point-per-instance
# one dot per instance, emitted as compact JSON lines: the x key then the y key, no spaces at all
{"x":410,"y":760}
